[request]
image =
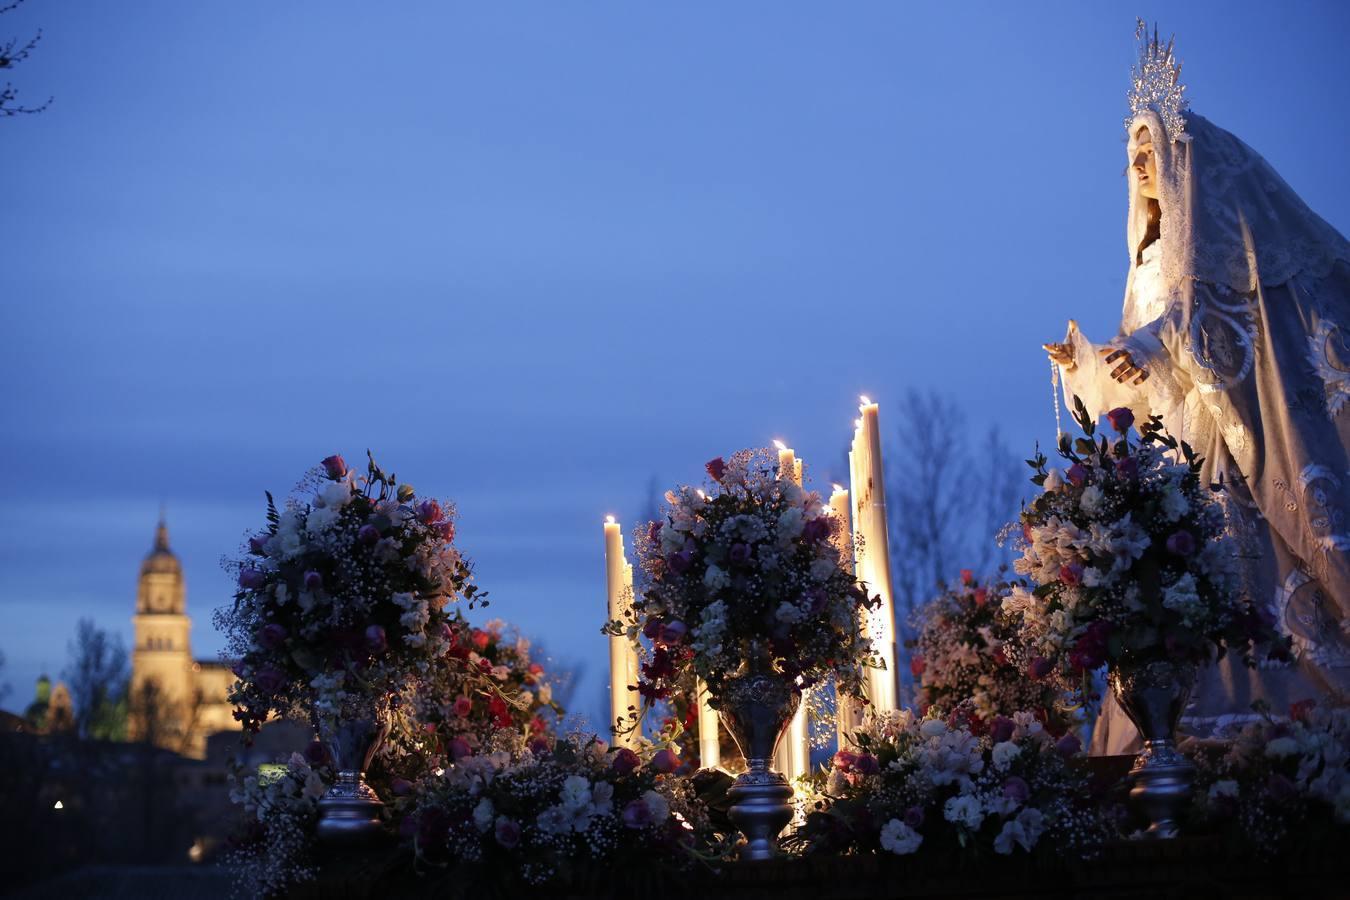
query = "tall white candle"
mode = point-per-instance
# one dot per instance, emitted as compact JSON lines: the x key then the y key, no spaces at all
{"x":709,"y":744}
{"x":847,"y":711}
{"x":874,"y":567}
{"x":792,"y":757}
{"x":623,"y":668}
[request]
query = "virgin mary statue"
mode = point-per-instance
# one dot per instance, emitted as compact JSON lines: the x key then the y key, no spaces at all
{"x":1234,"y":331}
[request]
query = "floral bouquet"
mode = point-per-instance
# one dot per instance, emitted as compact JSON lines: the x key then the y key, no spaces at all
{"x":550,"y":815}
{"x":496,"y":691}
{"x":750,"y":567}
{"x":1277,"y":780}
{"x":1129,"y":558}
{"x":342,"y":597}
{"x":281,"y":803}
{"x":931,"y":785}
{"x":966,"y":651}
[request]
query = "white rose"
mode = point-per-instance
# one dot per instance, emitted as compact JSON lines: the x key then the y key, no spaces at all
{"x":1003,"y":754}
{"x":964,"y":810}
{"x":788,"y":612}
{"x":899,"y":838}
{"x":715,"y":579}
{"x":483,"y":814}
{"x":822,"y":569}
{"x":657,"y":806}
{"x":335,"y":494}
{"x":1091,"y":499}
{"x":932,"y":728}
{"x":576,"y":792}
{"x":1053,"y":480}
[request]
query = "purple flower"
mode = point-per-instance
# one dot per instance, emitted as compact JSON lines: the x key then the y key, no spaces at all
{"x":401,"y":787}
{"x":637,"y":815}
{"x":316,"y":753}
{"x":459,"y":748}
{"x":251,"y":579}
{"x":313,"y":581}
{"x":1181,"y":543}
{"x":376,"y":640}
{"x":258,"y":544}
{"x":429,"y":512}
{"x":845,"y":759}
{"x":270,"y":680}
{"x":1121,"y":418}
{"x":625,"y":761}
{"x":665,"y":761}
{"x":539,"y":745}
{"x":1076,"y":474}
{"x":271,"y":636}
{"x":368,"y":534}
{"x":1039,"y":668}
{"x":334,"y":466}
{"x":716,"y":467}
{"x":866,"y":764}
{"x":1015,"y":788}
{"x":508,"y":832}
{"x":816,"y":530}
{"x":740,"y":553}
{"x":680,"y":562}
{"x":672,"y":633}
{"x":1001,"y":729}
{"x":914,"y":816}
{"x":1127,"y":468}
{"x":1069,"y":745}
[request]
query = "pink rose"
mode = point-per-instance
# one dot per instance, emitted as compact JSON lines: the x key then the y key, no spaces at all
{"x":1121,"y":419}
{"x":1001,"y":729}
{"x":507,"y":832}
{"x":463,"y":706}
{"x":428,"y":512}
{"x":665,"y":761}
{"x":1181,"y":543}
{"x":1069,"y":745}
{"x":251,"y":579}
{"x":271,"y":636}
{"x":844,"y":759}
{"x":376,"y":640}
{"x":967,"y":577}
{"x":447,"y":531}
{"x":1071,"y":574}
{"x":625,"y":761}
{"x":334,"y":466}
{"x":270,"y":680}
{"x":917,"y":665}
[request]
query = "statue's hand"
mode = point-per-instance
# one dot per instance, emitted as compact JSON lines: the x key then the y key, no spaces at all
{"x":1127,"y":370}
{"x":1061,"y":354}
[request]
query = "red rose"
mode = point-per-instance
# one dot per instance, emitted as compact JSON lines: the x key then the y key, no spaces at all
{"x":716,"y":467}
{"x":1121,"y":419}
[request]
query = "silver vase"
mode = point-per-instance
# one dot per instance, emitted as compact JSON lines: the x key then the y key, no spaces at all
{"x":756,"y":707}
{"x":1153,"y":695}
{"x":350,"y":811}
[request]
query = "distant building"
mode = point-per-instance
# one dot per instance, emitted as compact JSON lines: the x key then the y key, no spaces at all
{"x":175,"y":701}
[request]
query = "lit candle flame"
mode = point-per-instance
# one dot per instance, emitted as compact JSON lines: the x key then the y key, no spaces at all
{"x":838,"y":488}
{"x":609,"y":520}
{"x":701,"y":495}
{"x":780,"y":445}
{"x":866,"y":401}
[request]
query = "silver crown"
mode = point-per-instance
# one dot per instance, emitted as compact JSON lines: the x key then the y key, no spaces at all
{"x":1155,"y":83}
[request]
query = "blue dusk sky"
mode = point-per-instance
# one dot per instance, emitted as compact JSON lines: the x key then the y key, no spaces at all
{"x":535,"y":254}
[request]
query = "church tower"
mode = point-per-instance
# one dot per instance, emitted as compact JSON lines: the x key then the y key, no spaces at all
{"x":162,"y":678}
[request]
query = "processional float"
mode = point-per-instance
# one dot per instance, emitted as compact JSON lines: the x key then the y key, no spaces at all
{"x":864,"y":521}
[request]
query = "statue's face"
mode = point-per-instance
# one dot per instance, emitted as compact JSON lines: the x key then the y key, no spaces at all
{"x":1144,"y":166}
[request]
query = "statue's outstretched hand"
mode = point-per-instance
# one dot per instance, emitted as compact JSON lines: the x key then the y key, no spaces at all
{"x":1061,"y":354}
{"x":1127,"y":370}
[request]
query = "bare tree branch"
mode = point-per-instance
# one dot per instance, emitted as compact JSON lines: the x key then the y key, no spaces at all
{"x":11,"y":54}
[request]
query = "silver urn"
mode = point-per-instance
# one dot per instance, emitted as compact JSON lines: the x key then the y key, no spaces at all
{"x":350,"y":811}
{"x":756,"y":707}
{"x":1153,"y":695}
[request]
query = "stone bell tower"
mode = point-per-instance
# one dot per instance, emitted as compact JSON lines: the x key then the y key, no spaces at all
{"x":162,"y":677}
